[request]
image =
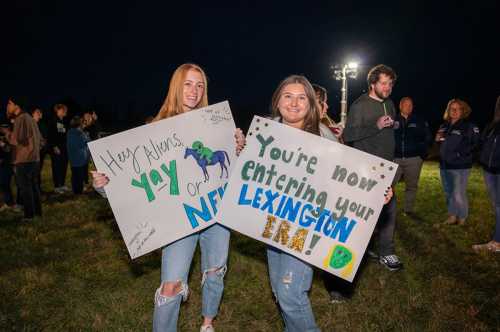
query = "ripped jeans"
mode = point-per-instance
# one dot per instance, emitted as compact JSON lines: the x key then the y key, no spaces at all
{"x":291,"y":281}
{"x":175,"y":265}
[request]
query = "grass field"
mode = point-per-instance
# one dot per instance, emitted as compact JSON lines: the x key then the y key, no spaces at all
{"x":71,"y":272}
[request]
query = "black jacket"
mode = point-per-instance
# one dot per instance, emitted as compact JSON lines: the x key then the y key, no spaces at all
{"x":490,"y":149}
{"x":58,"y":130}
{"x":460,"y":141}
{"x":412,"y":136}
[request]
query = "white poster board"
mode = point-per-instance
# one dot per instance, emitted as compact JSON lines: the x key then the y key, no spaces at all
{"x":313,"y":198}
{"x":168,"y":177}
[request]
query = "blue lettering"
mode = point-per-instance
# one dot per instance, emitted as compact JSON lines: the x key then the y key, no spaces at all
{"x":342,"y":229}
{"x":192,"y":212}
{"x":330,"y":223}
{"x":242,"y":200}
{"x":319,"y":223}
{"x":256,"y":198}
{"x":290,"y":210}
{"x":308,"y":220}
{"x":212,"y":200}
{"x":270,"y":196}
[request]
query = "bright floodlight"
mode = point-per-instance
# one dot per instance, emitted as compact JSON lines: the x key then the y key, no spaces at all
{"x":352,"y":65}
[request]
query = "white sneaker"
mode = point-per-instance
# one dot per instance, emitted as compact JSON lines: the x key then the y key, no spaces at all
{"x":207,"y":328}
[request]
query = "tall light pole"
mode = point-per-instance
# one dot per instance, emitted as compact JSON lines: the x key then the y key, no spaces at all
{"x":342,"y":73}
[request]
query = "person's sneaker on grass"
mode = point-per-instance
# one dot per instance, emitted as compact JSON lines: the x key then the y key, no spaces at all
{"x":391,"y":262}
{"x":451,"y":220}
{"x":207,"y":328}
{"x":491,"y":246}
{"x":337,"y":297}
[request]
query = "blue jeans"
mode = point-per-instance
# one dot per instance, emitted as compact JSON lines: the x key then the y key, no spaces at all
{"x":455,"y":189}
{"x":493,"y":185}
{"x":175,"y":265}
{"x":291,"y":280}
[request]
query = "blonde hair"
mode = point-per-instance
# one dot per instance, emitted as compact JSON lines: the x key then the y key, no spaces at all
{"x":311,"y":121}
{"x":173,"y":103}
{"x":466,"y":110}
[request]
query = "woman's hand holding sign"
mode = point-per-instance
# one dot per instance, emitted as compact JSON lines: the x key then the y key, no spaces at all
{"x":388,"y":195}
{"x":99,"y":180}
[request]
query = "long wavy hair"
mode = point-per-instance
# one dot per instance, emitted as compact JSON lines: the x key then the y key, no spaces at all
{"x":311,"y":121}
{"x":466,"y":110}
{"x":173,"y":103}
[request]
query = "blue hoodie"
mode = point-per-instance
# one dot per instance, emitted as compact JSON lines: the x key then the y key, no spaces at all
{"x":78,"y":153}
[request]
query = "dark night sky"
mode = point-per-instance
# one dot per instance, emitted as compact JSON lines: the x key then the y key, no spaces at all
{"x":119,"y":58}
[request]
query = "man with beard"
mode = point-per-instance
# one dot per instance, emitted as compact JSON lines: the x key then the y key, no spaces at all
{"x":369,"y":128}
{"x":25,"y":139}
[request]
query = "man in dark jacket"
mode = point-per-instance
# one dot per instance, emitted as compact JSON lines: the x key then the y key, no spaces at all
{"x":25,"y":140}
{"x":37,"y":115}
{"x":369,"y":128}
{"x":58,"y":130}
{"x":413,"y":138}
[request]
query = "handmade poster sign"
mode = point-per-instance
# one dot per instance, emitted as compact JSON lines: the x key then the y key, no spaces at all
{"x":167,"y":178}
{"x":313,"y":198}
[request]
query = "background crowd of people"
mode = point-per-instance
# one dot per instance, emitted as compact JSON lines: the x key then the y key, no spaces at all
{"x":28,"y":136}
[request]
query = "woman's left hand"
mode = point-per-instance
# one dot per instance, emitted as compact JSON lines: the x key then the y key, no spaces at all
{"x":240,"y":141}
{"x":388,"y":195}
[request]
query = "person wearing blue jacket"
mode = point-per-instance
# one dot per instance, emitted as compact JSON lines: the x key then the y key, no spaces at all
{"x":458,"y":139}
{"x":490,"y":161}
{"x":78,"y":154}
{"x":413,"y":137}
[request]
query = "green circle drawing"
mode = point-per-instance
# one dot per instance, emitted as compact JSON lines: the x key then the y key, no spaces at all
{"x":341,"y":256}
